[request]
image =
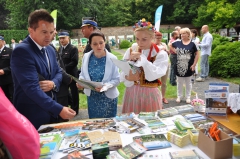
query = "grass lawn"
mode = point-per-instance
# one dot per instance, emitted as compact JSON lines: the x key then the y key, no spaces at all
{"x":235,"y":80}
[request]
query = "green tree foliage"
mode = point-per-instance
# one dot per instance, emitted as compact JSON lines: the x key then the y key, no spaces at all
{"x":218,"y":13}
{"x":3,"y":14}
{"x":124,"y":12}
{"x":70,"y":12}
{"x":219,"y":40}
{"x":184,"y":11}
{"x":13,"y":34}
{"x":117,"y":13}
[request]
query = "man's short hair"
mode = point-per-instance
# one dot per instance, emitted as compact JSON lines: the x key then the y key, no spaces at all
{"x":177,"y":27}
{"x":38,"y":15}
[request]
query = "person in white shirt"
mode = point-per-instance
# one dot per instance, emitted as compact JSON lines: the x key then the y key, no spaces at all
{"x":206,"y":48}
{"x":196,"y":40}
{"x":142,"y":93}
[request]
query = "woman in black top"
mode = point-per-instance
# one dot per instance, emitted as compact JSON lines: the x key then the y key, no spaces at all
{"x":187,"y":57}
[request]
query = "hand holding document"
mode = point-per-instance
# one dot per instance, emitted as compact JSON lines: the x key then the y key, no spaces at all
{"x":88,"y":84}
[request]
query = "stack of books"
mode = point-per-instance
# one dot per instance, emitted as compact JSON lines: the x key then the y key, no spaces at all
{"x":193,"y":136}
{"x":49,"y":143}
{"x":178,"y":138}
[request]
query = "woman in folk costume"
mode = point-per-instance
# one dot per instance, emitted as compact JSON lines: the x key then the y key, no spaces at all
{"x":142,"y":93}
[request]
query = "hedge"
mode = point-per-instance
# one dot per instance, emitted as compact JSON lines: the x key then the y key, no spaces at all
{"x":13,"y":34}
{"x":225,"y":60}
{"x":125,"y":44}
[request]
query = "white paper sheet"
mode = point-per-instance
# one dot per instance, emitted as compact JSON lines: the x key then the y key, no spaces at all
{"x":122,"y":65}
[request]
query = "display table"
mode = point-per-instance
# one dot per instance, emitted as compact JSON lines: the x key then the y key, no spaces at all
{"x":128,"y":138}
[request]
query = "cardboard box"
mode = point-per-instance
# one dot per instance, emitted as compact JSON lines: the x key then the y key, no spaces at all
{"x":216,"y":149}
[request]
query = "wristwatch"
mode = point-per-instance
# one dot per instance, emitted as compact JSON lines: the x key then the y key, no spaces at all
{"x":54,"y":87}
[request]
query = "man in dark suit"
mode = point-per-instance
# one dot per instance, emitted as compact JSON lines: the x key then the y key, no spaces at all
{"x":62,"y":94}
{"x":6,"y":82}
{"x":32,"y":59}
{"x":69,"y":55}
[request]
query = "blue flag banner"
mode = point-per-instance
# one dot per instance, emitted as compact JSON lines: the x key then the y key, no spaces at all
{"x":158,"y":15}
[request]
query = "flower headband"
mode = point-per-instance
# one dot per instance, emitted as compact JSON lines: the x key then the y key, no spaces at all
{"x":143,"y":24}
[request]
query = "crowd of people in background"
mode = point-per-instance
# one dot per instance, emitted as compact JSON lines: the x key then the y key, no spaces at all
{"x":38,"y":78}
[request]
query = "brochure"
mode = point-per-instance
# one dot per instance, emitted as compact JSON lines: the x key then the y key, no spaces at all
{"x":129,"y":151}
{"x":113,"y":139}
{"x":75,"y":155}
{"x":186,"y":154}
{"x":73,"y":141}
{"x":87,"y":84}
{"x":49,"y":143}
{"x":153,"y":141}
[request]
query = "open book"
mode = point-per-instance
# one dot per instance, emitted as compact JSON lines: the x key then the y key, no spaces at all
{"x":87,"y":84}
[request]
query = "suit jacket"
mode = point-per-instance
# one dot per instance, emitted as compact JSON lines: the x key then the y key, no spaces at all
{"x":111,"y":74}
{"x":66,"y":79}
{"x":5,"y":57}
{"x":69,"y":56}
{"x":26,"y":63}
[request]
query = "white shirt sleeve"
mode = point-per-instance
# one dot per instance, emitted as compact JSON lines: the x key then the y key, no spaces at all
{"x":123,"y":74}
{"x":154,"y":70}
